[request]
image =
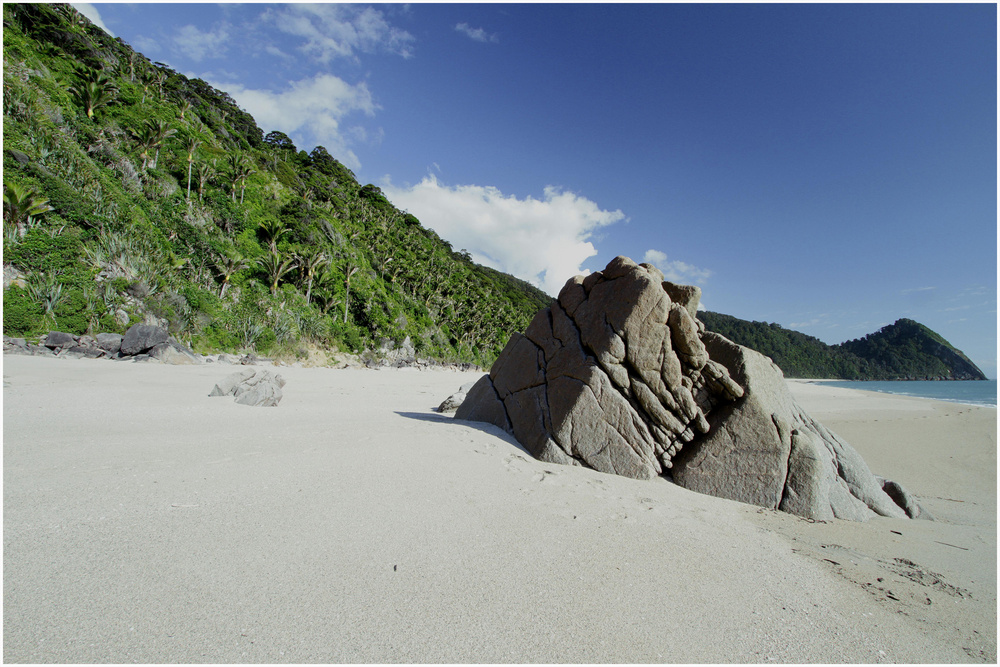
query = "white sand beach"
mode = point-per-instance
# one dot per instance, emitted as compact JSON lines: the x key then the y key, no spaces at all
{"x":147,"y":522}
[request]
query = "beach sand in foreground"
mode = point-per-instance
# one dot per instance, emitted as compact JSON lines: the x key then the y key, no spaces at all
{"x":146,"y":522}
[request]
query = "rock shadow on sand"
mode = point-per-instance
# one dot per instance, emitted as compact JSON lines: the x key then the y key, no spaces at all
{"x":484,"y":427}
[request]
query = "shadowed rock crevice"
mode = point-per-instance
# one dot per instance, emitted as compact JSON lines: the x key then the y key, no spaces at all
{"x":618,"y":375}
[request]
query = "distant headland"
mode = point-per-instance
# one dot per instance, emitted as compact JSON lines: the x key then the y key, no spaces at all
{"x":904,"y":350}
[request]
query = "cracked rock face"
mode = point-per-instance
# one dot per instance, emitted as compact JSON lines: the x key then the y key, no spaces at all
{"x":613,"y":376}
{"x":618,"y":375}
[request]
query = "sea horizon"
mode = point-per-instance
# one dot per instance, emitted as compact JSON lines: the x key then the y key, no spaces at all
{"x":981,"y":393}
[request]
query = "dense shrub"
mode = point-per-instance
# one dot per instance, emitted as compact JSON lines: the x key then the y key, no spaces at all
{"x":72,"y":314}
{"x":22,"y":316}
{"x":57,"y":255}
{"x":116,"y":214}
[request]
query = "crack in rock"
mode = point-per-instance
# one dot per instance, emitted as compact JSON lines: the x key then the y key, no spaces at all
{"x":618,"y":375}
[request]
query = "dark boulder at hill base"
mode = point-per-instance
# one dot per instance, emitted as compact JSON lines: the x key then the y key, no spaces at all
{"x":59,"y":340}
{"x":143,"y":337}
{"x":618,"y":375}
{"x":109,"y":342}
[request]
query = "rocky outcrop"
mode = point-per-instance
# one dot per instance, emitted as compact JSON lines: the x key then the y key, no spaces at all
{"x":401,"y":357}
{"x":141,"y":338}
{"x":600,"y":379}
{"x":140,"y":343}
{"x":618,"y":375}
{"x":173,"y":353}
{"x":451,"y":403}
{"x":766,"y":450}
{"x":12,"y":277}
{"x":57,"y":340}
{"x":256,"y":387}
{"x":111,"y":343}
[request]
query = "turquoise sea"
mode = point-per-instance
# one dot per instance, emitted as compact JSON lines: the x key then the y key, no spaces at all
{"x":983,"y":393}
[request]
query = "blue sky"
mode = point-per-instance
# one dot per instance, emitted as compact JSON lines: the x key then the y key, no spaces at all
{"x":831,"y":168}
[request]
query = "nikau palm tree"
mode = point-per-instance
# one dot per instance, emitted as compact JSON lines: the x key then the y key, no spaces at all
{"x":239,"y":170}
{"x":147,"y":80}
{"x":325,"y":293}
{"x":160,"y":78}
{"x":205,"y":172}
{"x":21,"y":205}
{"x":273,"y":230}
{"x":191,"y":146}
{"x":151,"y":137}
{"x":349,"y":271}
{"x":227,"y":265}
{"x":244,"y":175}
{"x":312,"y":263}
{"x":147,"y":141}
{"x":276,"y":268}
{"x":94,"y":92}
{"x":162,"y":132}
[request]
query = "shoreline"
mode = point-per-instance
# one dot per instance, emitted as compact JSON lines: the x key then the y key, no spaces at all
{"x":843,"y":380}
{"x":827,"y":382}
{"x":353,"y":524}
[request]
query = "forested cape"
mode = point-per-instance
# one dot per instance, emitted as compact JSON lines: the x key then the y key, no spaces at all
{"x":133,"y":193}
{"x":904,"y":350}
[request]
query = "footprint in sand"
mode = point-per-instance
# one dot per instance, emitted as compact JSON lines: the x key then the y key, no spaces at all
{"x":541,"y":476}
{"x":646,"y":503}
{"x":510,"y":459}
{"x":480,"y":447}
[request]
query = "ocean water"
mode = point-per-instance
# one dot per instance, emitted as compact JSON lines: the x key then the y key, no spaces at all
{"x":983,"y":393}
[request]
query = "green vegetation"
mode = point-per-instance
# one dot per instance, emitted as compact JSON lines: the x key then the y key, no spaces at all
{"x":905,"y":350}
{"x":132,"y":192}
{"x":908,"y":349}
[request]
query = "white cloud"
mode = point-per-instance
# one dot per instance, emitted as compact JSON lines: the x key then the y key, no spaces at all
{"x":676,"y":271}
{"x":197,"y":45}
{"x":90,"y":11}
{"x":543,"y":241}
{"x":338,"y":30}
{"x":477,"y":34}
{"x":275,"y":51}
{"x":316,"y":105}
{"x":146,"y":45}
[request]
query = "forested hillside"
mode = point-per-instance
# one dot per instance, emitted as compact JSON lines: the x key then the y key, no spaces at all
{"x":905,"y":350}
{"x":132,"y":193}
{"x":908,"y":349}
{"x":135,"y":194}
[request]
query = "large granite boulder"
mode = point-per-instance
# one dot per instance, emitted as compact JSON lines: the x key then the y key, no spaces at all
{"x":618,"y":375}
{"x":256,"y":387}
{"x":600,"y":379}
{"x":766,"y":450}
{"x":173,"y":353}
{"x":451,"y":403}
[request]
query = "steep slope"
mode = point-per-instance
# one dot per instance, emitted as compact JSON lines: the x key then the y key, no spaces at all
{"x":132,"y":193}
{"x":908,"y":349}
{"x":797,"y":354}
{"x":905,"y":350}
